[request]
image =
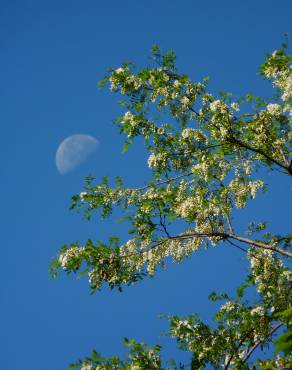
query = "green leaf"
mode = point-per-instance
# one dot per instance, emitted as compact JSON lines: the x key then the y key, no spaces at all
{"x":284,"y":343}
{"x":126,"y":147}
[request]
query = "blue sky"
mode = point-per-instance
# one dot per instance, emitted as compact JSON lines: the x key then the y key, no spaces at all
{"x":52,"y":55}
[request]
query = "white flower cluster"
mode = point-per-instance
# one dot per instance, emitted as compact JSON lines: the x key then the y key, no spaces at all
{"x":93,"y":278}
{"x":73,"y":252}
{"x":202,"y":168}
{"x":119,"y":70}
{"x":140,"y":254}
{"x":87,"y":366}
{"x":272,"y":280}
{"x":287,"y":274}
{"x":115,"y":78}
{"x":177,"y":84}
{"x":180,"y":326}
{"x":185,"y":102}
{"x":131,"y":82}
{"x":258,"y":311}
{"x":188,"y":133}
{"x":156,"y":77}
{"x":151,"y":194}
{"x":131,"y":122}
{"x":274,"y":109}
{"x":122,"y":78}
{"x":128,"y":248}
{"x":184,"y":92}
{"x":130,"y":118}
{"x":82,"y":195}
{"x":282,"y":78}
{"x":243,"y":166}
{"x":160,"y":130}
{"x":200,"y":136}
{"x":218,"y":106}
{"x":254,"y":187}
{"x":228,"y":306}
{"x":187,"y":208}
{"x":157,"y":160}
{"x":192,"y":245}
{"x":244,"y":190}
{"x":235,"y":106}
{"x":284,"y":82}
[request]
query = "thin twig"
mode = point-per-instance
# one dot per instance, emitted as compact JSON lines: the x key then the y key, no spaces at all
{"x":237,"y":348}
{"x":165,"y":182}
{"x":237,"y":246}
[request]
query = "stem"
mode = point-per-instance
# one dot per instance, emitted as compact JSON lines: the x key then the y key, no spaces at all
{"x":162,"y":224}
{"x":165,"y":182}
{"x":229,"y":223}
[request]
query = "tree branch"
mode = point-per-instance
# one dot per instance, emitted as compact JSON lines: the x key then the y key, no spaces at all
{"x":259,"y":244}
{"x":225,"y":236}
{"x":237,"y":348}
{"x":255,"y":346}
{"x":261,"y":152}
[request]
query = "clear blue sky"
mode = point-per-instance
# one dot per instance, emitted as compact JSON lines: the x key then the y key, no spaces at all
{"x":52,"y":55}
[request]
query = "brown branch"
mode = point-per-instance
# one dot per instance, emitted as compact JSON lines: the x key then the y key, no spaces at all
{"x":221,"y":236}
{"x":225,"y":236}
{"x":255,"y":346}
{"x":229,"y":223}
{"x":237,"y":348}
{"x":162,"y":224}
{"x":261,"y":152}
{"x":236,"y":246}
{"x":258,"y":244}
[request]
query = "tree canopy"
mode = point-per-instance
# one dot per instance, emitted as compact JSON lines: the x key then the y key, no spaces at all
{"x":208,"y":154}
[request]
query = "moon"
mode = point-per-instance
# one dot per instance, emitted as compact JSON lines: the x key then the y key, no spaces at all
{"x":73,"y":151}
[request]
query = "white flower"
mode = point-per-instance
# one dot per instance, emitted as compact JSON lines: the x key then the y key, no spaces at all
{"x":176,"y":83}
{"x":135,"y":367}
{"x":128,"y":117}
{"x":86,"y":366}
{"x":119,"y":70}
{"x":82,"y":195}
{"x":242,"y":354}
{"x":259,"y":311}
{"x":187,"y":133}
{"x":217,"y":106}
{"x":235,"y":106}
{"x":228,"y":306}
{"x":73,"y":252}
{"x":186,"y":208}
{"x":254,"y":186}
{"x":161,"y":131}
{"x":185,"y":101}
{"x":274,"y":109}
{"x":159,"y":159}
{"x":287,"y":275}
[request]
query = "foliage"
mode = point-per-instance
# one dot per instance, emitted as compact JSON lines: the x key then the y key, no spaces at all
{"x":207,"y":156}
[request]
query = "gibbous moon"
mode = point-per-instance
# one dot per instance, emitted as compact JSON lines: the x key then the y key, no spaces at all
{"x":73,"y":151}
